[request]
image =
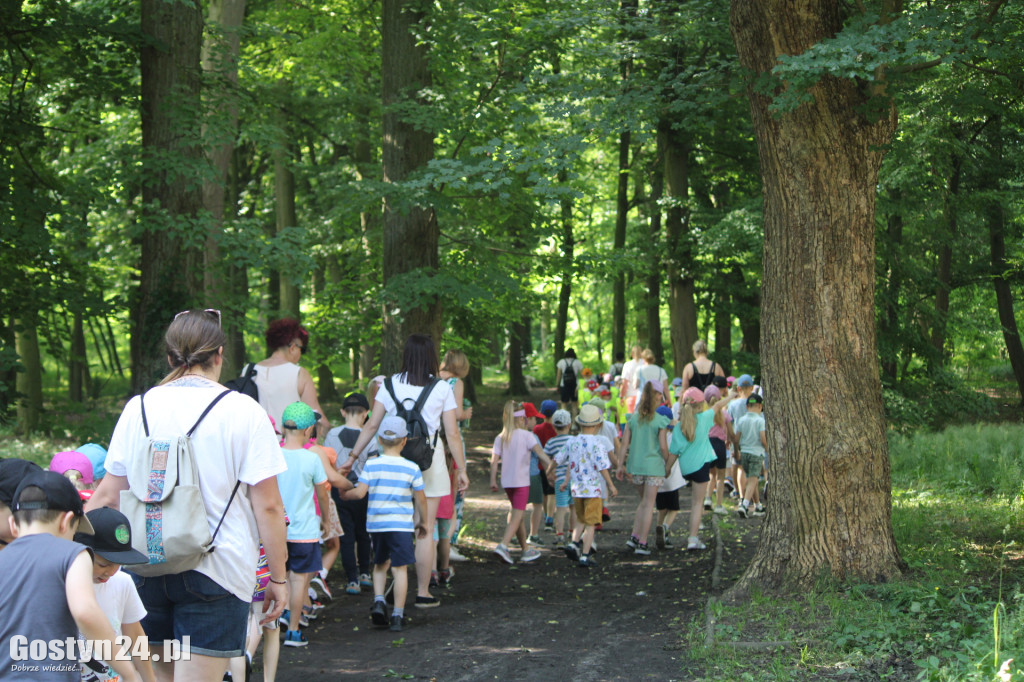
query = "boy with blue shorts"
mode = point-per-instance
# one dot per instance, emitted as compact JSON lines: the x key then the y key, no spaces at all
{"x":394,"y":485}
{"x":561,"y":420}
{"x":299,"y":484}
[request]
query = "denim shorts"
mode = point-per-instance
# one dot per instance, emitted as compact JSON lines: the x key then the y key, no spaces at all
{"x":193,"y":604}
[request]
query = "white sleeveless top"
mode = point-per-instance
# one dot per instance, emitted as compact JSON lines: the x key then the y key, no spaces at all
{"x":279,"y":388}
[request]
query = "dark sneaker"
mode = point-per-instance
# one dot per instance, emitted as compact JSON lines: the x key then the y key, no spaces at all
{"x":758,"y":510}
{"x":632,"y":542}
{"x":643,"y":549}
{"x":444,"y":577}
{"x":587,"y":561}
{"x":534,"y":540}
{"x":379,"y":614}
{"x":659,"y":536}
{"x":549,"y":523}
{"x":396,"y":623}
{"x":742,"y":511}
{"x":605,"y":515}
{"x":427,"y":602}
{"x":572,"y":550}
{"x":433,"y":579}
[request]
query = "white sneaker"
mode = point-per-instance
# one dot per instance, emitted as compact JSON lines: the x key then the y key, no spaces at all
{"x":531,"y":554}
{"x":758,"y":510}
{"x":453,"y":555}
{"x":502,"y":551}
{"x":695,"y":543}
{"x":707,"y":503}
{"x":721,"y":510}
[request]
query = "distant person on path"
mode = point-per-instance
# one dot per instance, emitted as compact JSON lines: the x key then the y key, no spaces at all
{"x":511,"y":451}
{"x":629,"y":369}
{"x":568,"y":372}
{"x":419,"y":370}
{"x":753,"y":445}
{"x":279,"y":378}
{"x":615,"y":371}
{"x":650,"y":371}
{"x":701,"y":372}
{"x":235,"y":444}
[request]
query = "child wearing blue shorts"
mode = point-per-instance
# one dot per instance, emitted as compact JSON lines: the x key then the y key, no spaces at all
{"x":561,"y":420}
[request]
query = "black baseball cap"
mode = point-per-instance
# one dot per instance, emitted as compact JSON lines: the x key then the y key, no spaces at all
{"x":12,"y":472}
{"x":754,"y":399}
{"x":355,"y":400}
{"x":111,"y":537}
{"x":59,"y":495}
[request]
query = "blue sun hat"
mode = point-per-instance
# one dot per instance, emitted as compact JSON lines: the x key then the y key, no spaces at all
{"x":97,"y":454}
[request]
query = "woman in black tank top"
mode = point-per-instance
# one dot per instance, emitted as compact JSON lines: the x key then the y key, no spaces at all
{"x":692,"y":376}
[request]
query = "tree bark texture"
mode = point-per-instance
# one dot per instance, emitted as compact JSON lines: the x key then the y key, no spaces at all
{"x":682,"y":309}
{"x":829,"y":511}
{"x":411,"y":232}
{"x":29,"y":383}
{"x":656,"y":272}
{"x":619,"y":244}
{"x":285,"y":214}
{"x":171,"y":193}
{"x":565,"y":289}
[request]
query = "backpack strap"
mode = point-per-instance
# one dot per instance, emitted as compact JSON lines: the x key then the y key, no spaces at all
{"x":422,"y":400}
{"x":228,"y":506}
{"x":145,"y":424}
{"x":205,"y":412}
{"x":389,"y":385}
{"x":712,"y":370}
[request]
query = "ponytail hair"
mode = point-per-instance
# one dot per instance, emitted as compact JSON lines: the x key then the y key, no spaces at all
{"x":193,"y":340}
{"x":688,"y":417}
{"x":508,"y":421}
{"x":650,"y":399}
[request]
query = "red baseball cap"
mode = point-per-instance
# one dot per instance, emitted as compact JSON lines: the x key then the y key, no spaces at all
{"x":531,"y":411}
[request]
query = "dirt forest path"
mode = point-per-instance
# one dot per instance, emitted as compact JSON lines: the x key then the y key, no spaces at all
{"x":547,"y":620}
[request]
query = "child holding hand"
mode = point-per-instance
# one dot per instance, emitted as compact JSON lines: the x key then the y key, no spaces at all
{"x":512,"y":448}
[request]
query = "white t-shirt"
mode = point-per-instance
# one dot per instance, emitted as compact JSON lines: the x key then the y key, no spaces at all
{"x":235,"y":442}
{"x":279,"y":388}
{"x":120,"y":603}
{"x":577,"y":367}
{"x":650,"y":373}
{"x":441,"y":400}
{"x":628,"y":373}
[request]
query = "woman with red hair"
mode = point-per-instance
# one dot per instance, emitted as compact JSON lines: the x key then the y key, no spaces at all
{"x":279,"y":378}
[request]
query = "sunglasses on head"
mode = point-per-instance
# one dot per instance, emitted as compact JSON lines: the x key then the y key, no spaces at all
{"x":302,"y":347}
{"x":212,"y":312}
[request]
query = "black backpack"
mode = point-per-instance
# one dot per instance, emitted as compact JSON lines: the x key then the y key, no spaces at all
{"x":419,"y":447}
{"x":246,"y":383}
{"x":569,"y":375}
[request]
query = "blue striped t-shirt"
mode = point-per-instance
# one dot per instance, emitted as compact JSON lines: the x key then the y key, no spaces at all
{"x":392,"y":480}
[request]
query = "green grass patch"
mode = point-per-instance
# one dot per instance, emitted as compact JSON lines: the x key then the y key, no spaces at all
{"x":958,"y":612}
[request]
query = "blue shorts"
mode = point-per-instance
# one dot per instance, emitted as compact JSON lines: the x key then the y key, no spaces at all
{"x":702,"y":475}
{"x":304,"y":557}
{"x":393,"y":545}
{"x":193,"y":604}
{"x":563,"y":498}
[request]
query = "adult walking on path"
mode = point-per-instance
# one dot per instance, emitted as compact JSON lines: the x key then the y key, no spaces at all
{"x":280,"y":379}
{"x":236,"y":446}
{"x":629,"y":370}
{"x":650,"y":371}
{"x":567,"y":375}
{"x":702,"y":371}
{"x":420,"y":371}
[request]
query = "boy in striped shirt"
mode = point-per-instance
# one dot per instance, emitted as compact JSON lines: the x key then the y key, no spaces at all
{"x":394,"y":484}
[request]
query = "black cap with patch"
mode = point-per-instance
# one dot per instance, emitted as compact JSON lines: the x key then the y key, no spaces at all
{"x":112,"y":537}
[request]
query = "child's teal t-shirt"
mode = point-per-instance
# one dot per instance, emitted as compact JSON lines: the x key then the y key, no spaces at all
{"x":644,"y":449}
{"x":693,"y":455}
{"x":305,"y":470}
{"x":749,"y":429}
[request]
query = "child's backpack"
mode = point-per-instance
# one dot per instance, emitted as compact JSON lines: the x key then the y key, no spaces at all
{"x":246,"y":383}
{"x":419,"y":447}
{"x":164,"y":503}
{"x":569,"y":375}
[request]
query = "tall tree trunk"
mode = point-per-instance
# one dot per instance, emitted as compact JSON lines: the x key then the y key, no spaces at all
{"x":889,"y":333}
{"x":78,"y":362}
{"x":411,"y":233}
{"x":285,"y":214}
{"x":517,"y":337}
{"x":219,"y":60}
{"x":944,"y":268}
{"x":655,"y":274}
{"x":628,"y":11}
{"x":682,"y":308}
{"x":171,"y":194}
{"x":995,"y":216}
{"x":723,"y":327}
{"x":830,"y":507}
{"x":565,"y":289}
{"x":29,"y":382}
